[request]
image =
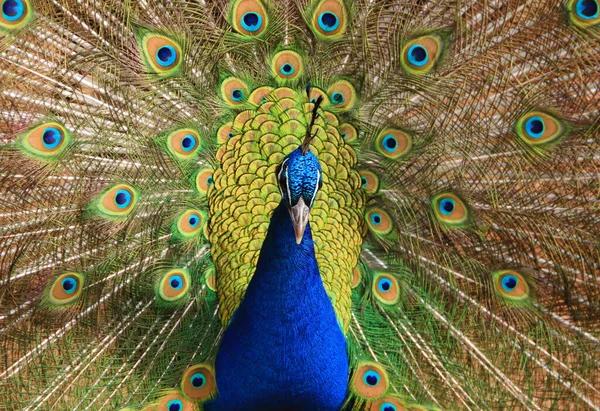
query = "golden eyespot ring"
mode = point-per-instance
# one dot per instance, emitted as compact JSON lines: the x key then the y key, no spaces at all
{"x":174,"y":285}
{"x":249,"y":17}
{"x":66,"y":288}
{"x":389,"y":403}
{"x":14,"y":14}
{"x":370,"y":380}
{"x":199,"y":382}
{"x":538,"y":128}
{"x":183,"y":143}
{"x":46,"y":141}
{"x":190,"y":223}
{"x":386,"y":288}
{"x":260,"y":95}
{"x":378,"y":221}
{"x":174,"y":400}
{"x":163,"y":56}
{"x":204,"y":179}
{"x":393,"y":143}
{"x":330,"y":19}
{"x":342,"y":95}
{"x":369,"y":181}
{"x":118,"y":201}
{"x":584,"y":13}
{"x":348,"y":133}
{"x":511,"y":285}
{"x":450,"y":209}
{"x":234,"y":91}
{"x":287,"y":65}
{"x":420,"y":55}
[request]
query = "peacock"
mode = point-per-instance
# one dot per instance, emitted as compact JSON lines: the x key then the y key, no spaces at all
{"x":384,"y":205}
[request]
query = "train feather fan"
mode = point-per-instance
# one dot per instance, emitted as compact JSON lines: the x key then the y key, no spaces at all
{"x":299,"y":204}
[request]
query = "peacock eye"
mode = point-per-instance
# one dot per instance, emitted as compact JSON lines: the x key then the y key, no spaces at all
{"x":371,"y":378}
{"x":198,"y":380}
{"x":175,"y":405}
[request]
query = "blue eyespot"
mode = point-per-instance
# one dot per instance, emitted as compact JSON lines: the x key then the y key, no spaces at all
{"x":587,"y":9}
{"x":509,"y":283}
{"x":176,"y":282}
{"x":12,"y":10}
{"x":193,"y":220}
{"x":166,"y":56}
{"x":384,"y":285}
{"x":376,"y":218}
{"x":363,"y":181}
{"x":417,"y":55}
{"x":237,"y":94}
{"x":122,"y":198}
{"x":69,"y":284}
{"x":198,"y":380}
{"x":386,"y":406}
{"x":287,"y":69}
{"x":535,"y":127}
{"x":210,"y":180}
{"x":371,"y":378}
{"x":447,"y":206}
{"x":390,"y":143}
{"x":251,"y":21}
{"x":174,"y":405}
{"x":337,"y":98}
{"x":51,"y":137}
{"x":328,"y":21}
{"x":188,"y":143}
{"x":230,"y":135}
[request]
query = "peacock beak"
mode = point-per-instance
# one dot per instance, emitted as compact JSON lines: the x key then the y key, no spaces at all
{"x":299,"y":214}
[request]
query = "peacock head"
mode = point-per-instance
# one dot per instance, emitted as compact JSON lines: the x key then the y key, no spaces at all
{"x":299,"y":178}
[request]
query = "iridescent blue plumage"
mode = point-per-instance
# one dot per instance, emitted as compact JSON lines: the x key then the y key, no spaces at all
{"x":284,"y":348}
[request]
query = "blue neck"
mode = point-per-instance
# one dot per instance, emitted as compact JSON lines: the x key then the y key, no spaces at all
{"x":283,"y":348}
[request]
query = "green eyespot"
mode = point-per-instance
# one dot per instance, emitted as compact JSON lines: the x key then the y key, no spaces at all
{"x":234,"y":91}
{"x":348,"y":132}
{"x":511,"y":285}
{"x":420,"y":55}
{"x":174,"y":285}
{"x":537,"y":128}
{"x":584,"y":13}
{"x":199,"y":382}
{"x":190,"y":223}
{"x":378,"y":221}
{"x":204,"y":180}
{"x":249,"y":17}
{"x":329,"y":19}
{"x":450,"y":209}
{"x":162,"y":55}
{"x":369,"y":181}
{"x":342,"y":95}
{"x":393,"y":143}
{"x":45,"y":141}
{"x":173,"y":400}
{"x":386,"y":288}
{"x":66,"y":288}
{"x":183,"y":143}
{"x":117,"y":201}
{"x":287,"y":65}
{"x":370,"y":380}
{"x":15,"y":14}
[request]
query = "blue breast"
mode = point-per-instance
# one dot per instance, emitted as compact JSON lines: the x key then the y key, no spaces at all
{"x":284,"y":348}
